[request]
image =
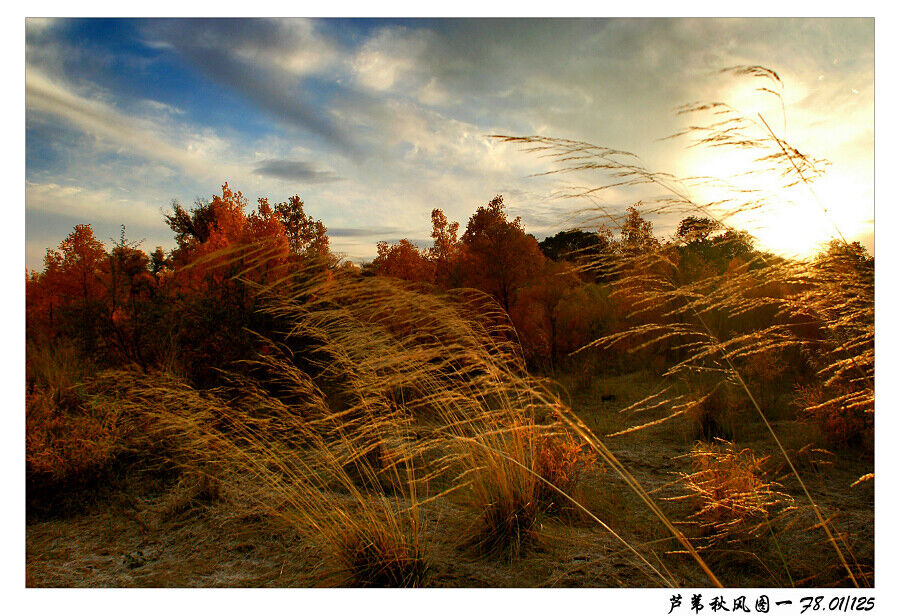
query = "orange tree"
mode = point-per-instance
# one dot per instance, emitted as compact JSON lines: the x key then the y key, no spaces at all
{"x":66,"y":298}
{"x":403,"y":260}
{"x":536,"y":314}
{"x":498,"y":256}
{"x":220,"y":249}
{"x":445,"y":251}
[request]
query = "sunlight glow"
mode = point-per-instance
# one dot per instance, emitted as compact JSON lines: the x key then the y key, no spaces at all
{"x":794,"y":221}
{"x":791,"y":221}
{"x":798,"y":221}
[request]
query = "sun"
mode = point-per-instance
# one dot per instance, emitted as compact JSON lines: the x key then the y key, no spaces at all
{"x":791,"y":221}
{"x":738,"y":185}
{"x":799,"y":221}
{"x":794,"y":230}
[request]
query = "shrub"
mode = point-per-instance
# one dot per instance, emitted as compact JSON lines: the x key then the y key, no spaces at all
{"x":503,"y":490}
{"x":562,"y":461}
{"x":383,"y":557}
{"x":517,"y":476}
{"x":732,"y":498}
{"x":65,"y":446}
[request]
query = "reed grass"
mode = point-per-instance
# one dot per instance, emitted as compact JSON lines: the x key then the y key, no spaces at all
{"x":373,"y":402}
{"x":818,"y":311}
{"x":734,"y":498}
{"x":374,"y":405}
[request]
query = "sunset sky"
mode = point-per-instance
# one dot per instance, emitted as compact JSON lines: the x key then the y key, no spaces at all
{"x":376,"y":122}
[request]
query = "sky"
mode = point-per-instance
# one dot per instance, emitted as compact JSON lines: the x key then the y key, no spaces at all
{"x":376,"y":122}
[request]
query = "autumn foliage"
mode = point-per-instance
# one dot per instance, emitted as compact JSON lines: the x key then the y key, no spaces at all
{"x":578,"y":301}
{"x":189,"y":311}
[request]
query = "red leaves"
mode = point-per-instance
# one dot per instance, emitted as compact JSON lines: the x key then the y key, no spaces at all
{"x":403,"y":260}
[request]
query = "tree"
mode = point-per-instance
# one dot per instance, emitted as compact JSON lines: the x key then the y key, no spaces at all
{"x":130,"y":287}
{"x":83,"y":256}
{"x":403,"y":260}
{"x":254,"y":245}
{"x":637,"y":233}
{"x":731,"y":245}
{"x":693,"y":229}
{"x":445,"y":250}
{"x":265,"y":232}
{"x":708,"y":248}
{"x":306,"y":236}
{"x":591,"y":252}
{"x":584,"y":314}
{"x":211,"y":224}
{"x":535,"y":310}
{"x":575,"y":245}
{"x":159,"y":261}
{"x":219,"y":248}
{"x":846,"y":255}
{"x":499,"y":256}
{"x":71,"y":287}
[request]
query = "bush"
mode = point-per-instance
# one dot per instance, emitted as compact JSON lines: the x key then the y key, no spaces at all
{"x":510,"y":484}
{"x":562,"y":461}
{"x":504,"y":492}
{"x":732,"y":498}
{"x":71,"y":449}
{"x":383,"y":556}
{"x":63,"y":445}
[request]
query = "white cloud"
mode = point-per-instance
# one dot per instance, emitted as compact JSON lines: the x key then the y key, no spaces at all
{"x":294,"y":45}
{"x":389,"y":59}
{"x":419,"y":102}
{"x":136,"y":135}
{"x":39,"y":25}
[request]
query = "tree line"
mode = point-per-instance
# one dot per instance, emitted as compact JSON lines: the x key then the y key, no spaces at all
{"x":193,"y":306}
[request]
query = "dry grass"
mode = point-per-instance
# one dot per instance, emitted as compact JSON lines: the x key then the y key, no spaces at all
{"x":376,"y":399}
{"x":68,"y":440}
{"x":375,"y":402}
{"x":733,"y":499}
{"x":65,"y":444}
{"x":816,"y":315}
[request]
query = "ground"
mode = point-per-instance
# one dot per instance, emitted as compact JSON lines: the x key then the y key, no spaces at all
{"x":173,"y":533}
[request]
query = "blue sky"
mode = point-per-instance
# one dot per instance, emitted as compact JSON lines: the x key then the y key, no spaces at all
{"x":376,"y":122}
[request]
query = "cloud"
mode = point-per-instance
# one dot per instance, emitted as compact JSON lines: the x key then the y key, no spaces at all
{"x":294,"y":45}
{"x":39,"y":25}
{"x":379,"y":232}
{"x":84,"y":205}
{"x":295,"y":170}
{"x":101,"y":120}
{"x":262,"y":62}
{"x":266,"y":89}
{"x":410,"y":106}
{"x":389,"y":58}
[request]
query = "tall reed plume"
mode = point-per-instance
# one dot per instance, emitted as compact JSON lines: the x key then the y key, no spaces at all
{"x":814,"y":314}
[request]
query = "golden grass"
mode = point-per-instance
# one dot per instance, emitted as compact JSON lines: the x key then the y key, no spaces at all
{"x":733,"y":498}
{"x":761,"y":307}
{"x":372,"y":401}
